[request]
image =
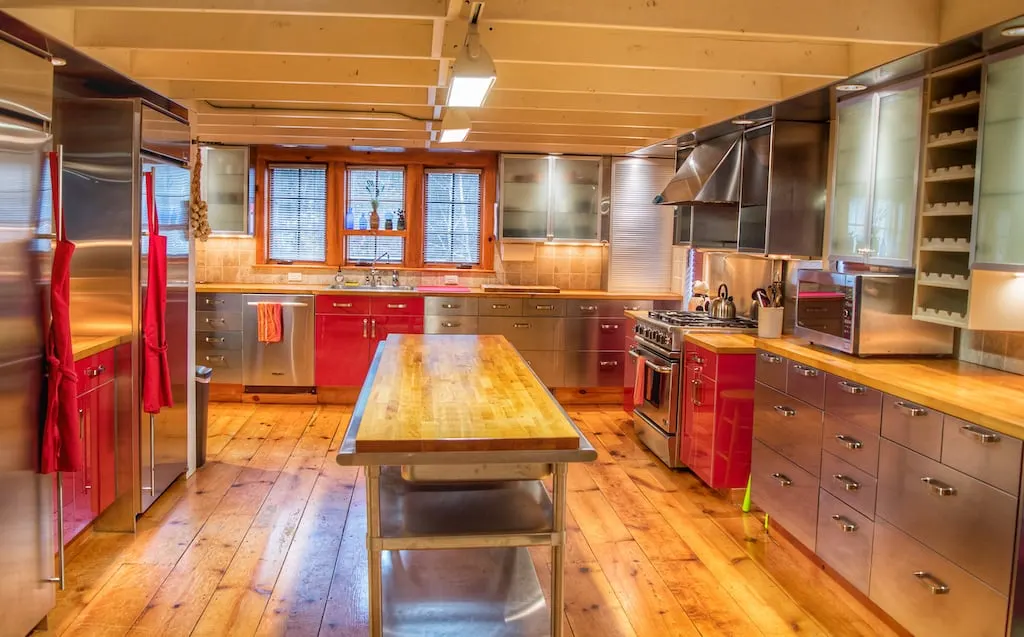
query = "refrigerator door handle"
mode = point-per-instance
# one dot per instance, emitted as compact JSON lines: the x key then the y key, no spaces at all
{"x":152,"y":455}
{"x":59,"y":580}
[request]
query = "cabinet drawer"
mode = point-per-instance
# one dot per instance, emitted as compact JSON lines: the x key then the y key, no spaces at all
{"x":219,"y":341}
{"x":967,"y":521}
{"x":844,"y":540}
{"x":602,"y":308}
{"x":547,"y":365}
{"x":786,"y":492}
{"x":595,"y":334}
{"x":705,"y":359}
{"x":343,"y":304}
{"x":771,"y":370}
{"x":526,"y":333}
{"x":500,"y":307}
{"x":848,"y":483}
{"x":982,"y":453}
{"x":853,"y":402}
{"x":449,"y":306}
{"x":396,"y":306}
{"x":543,"y":307}
{"x":218,"y":321}
{"x":226,"y":365}
{"x":594,"y":369}
{"x":790,"y":427}
{"x":95,"y":370}
{"x":929,"y":595}
{"x":218,"y":302}
{"x":806,"y":383}
{"x":913,"y":426}
{"x":433,"y":324}
{"x":856,"y":445}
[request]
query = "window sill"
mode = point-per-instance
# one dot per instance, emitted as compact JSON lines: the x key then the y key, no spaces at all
{"x":313,"y":268}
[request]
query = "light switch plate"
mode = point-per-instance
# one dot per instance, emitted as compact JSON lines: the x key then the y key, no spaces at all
{"x":451,"y":279}
{"x":295,"y":277}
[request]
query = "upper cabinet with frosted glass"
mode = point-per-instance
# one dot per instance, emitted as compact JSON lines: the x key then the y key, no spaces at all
{"x":875,"y":183}
{"x":552,"y":198}
{"x":227,"y":189}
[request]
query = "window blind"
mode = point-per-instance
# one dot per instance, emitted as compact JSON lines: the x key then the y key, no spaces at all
{"x":640,"y":251}
{"x":297,"y":229}
{"x":171,"y":193}
{"x":452,"y":224}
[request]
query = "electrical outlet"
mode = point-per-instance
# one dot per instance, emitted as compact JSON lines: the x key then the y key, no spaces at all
{"x":451,"y":279}
{"x":295,"y":277}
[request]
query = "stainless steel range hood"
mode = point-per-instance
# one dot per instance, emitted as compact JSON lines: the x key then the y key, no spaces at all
{"x":709,"y":175}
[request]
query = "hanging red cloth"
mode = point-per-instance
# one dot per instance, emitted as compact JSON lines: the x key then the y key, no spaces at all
{"x":61,"y":448}
{"x":156,"y":374}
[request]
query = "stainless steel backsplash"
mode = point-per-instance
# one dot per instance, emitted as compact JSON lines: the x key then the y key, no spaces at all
{"x":742,"y":273}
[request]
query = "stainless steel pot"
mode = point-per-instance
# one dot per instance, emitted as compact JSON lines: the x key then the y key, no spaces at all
{"x":722,"y":306}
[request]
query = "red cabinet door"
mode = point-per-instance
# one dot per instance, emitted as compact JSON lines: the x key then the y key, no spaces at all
{"x":86,"y":496}
{"x":702,"y":424}
{"x":342,"y":350}
{"x":630,"y":372}
{"x":104,"y":444}
{"x":691,"y":376}
{"x":382,"y":326}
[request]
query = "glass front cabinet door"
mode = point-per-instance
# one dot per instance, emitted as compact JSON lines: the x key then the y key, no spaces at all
{"x":226,"y":187}
{"x":551,"y":198}
{"x":1000,"y":229}
{"x":874,"y":203}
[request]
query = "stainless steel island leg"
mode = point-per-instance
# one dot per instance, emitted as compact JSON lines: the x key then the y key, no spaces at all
{"x":558,"y":549}
{"x":373,"y":549}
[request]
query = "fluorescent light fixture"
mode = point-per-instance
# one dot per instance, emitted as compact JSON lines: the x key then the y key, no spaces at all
{"x":454,"y":126}
{"x":850,"y":88}
{"x":473,"y":73}
{"x":1016,"y":31}
{"x":741,"y":121}
{"x":1018,"y":275}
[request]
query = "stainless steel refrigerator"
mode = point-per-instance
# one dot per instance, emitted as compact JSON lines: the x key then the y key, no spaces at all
{"x":27,"y":564}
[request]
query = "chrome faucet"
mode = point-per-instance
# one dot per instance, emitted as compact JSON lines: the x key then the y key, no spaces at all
{"x":373,"y":279}
{"x":394,"y":279}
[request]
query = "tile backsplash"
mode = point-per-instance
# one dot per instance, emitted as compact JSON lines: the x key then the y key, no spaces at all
{"x":999,"y":350}
{"x":233,"y":260}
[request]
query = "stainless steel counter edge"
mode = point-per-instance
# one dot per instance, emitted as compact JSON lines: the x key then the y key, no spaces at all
{"x":348,"y":456}
{"x":227,"y":288}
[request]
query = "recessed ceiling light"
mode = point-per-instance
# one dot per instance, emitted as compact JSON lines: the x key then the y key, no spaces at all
{"x":742,"y":121}
{"x":1016,"y":31}
{"x":850,"y":88}
{"x":56,"y":61}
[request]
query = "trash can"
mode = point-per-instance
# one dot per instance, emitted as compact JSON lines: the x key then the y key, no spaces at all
{"x":203,"y":376}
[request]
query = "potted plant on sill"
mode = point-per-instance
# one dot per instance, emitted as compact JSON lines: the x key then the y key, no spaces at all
{"x":375,"y":193}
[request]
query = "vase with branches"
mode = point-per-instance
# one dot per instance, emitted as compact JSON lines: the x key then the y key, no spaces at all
{"x":375,"y":192}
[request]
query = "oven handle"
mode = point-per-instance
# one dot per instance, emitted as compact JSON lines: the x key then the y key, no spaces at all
{"x":661,"y":369}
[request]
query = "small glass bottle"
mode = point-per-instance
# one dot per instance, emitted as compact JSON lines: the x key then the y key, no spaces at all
{"x":364,"y":222}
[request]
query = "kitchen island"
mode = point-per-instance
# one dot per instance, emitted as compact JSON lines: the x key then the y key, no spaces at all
{"x":456,"y":434}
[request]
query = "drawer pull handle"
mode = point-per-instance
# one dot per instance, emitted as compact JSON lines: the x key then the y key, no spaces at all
{"x":809,"y":372}
{"x":849,"y":484}
{"x":851,"y":388}
{"x":520,"y":326}
{"x":214,"y":320}
{"x":771,"y":358}
{"x":631,"y":308}
{"x":588,"y":308}
{"x":499,"y":306}
{"x":451,"y":324}
{"x":910,"y":410}
{"x":609,"y":327}
{"x":546,"y":308}
{"x":844,"y":523}
{"x":979,"y":435}
{"x":366,"y":324}
{"x":397,"y":306}
{"x":608,"y":364}
{"x":696,"y":359}
{"x":848,"y":442}
{"x":932,"y":583}
{"x":341,"y":305}
{"x":938,"y":487}
{"x":695,"y":392}
{"x":214,"y":301}
{"x":782,"y":410}
{"x":783,"y":480}
{"x":93,"y":372}
{"x":211,"y":339}
{"x":450,"y":306}
{"x":215,"y":358}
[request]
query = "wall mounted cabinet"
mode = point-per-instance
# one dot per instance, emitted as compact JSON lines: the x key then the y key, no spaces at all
{"x":549,"y":198}
{"x":875,"y":184}
{"x":227,"y":188}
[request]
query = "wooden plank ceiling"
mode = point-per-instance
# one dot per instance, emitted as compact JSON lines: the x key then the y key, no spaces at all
{"x":593,"y":76}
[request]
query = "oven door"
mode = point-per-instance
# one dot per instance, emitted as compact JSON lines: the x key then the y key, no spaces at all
{"x":661,"y":388}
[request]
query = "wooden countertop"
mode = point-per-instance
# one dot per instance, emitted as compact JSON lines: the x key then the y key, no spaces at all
{"x":86,"y":346}
{"x":263,"y":288}
{"x":458,"y":393}
{"x":984,"y":396}
{"x":723,"y":343}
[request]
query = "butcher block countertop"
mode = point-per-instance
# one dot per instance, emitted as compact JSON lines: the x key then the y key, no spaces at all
{"x":86,"y":346}
{"x":439,"y":393}
{"x":262,"y":288}
{"x":723,"y":343}
{"x":983,"y":396}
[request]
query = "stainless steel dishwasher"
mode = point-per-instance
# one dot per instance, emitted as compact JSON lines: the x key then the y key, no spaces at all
{"x":288,"y":363}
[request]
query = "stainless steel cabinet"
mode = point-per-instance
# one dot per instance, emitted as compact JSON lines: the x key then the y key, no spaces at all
{"x":219,"y":336}
{"x":547,"y":197}
{"x":790,"y":427}
{"x":525,"y":332}
{"x":786,"y":492}
{"x":844,"y":540}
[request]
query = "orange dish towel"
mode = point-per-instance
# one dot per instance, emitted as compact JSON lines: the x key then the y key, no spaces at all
{"x":269,"y":328}
{"x":638,"y":384}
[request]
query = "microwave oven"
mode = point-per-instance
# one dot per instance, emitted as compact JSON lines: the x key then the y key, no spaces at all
{"x":865,"y":314}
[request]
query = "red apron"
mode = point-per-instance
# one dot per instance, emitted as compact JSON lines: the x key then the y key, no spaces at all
{"x":156,"y":374}
{"x":61,"y":448}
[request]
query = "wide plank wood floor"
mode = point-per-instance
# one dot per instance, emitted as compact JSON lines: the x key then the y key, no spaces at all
{"x":269,"y":539}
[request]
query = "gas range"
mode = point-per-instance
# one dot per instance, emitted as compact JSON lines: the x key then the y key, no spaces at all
{"x":666,"y":329}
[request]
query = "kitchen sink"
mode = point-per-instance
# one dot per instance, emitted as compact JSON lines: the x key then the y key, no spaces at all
{"x":371,"y":288}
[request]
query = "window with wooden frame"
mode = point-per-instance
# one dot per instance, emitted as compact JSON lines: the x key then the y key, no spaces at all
{"x":451,"y":219}
{"x":297,"y":213}
{"x":384,"y":185}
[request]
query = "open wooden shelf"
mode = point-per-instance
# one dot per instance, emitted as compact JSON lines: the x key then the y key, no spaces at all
{"x":954,"y":141}
{"x":376,"y":233}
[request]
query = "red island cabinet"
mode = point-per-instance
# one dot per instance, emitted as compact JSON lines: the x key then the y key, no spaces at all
{"x":348,"y":329}
{"x":718,"y":416}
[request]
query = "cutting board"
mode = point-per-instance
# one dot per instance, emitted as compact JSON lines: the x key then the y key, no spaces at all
{"x":529,"y":289}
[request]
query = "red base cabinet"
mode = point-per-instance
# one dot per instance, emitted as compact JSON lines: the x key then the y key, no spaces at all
{"x":718,"y":416}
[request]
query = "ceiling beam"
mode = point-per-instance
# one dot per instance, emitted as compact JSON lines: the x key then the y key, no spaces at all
{"x":376,"y":112}
{"x":313,"y":93}
{"x":257,"y":133}
{"x":960,"y":17}
{"x":583,"y":138}
{"x":583,"y":118}
{"x":373,"y":8}
{"x":704,"y":107}
{"x":279,"y":121}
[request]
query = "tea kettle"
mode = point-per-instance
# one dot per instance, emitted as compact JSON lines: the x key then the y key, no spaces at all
{"x":722,"y":306}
